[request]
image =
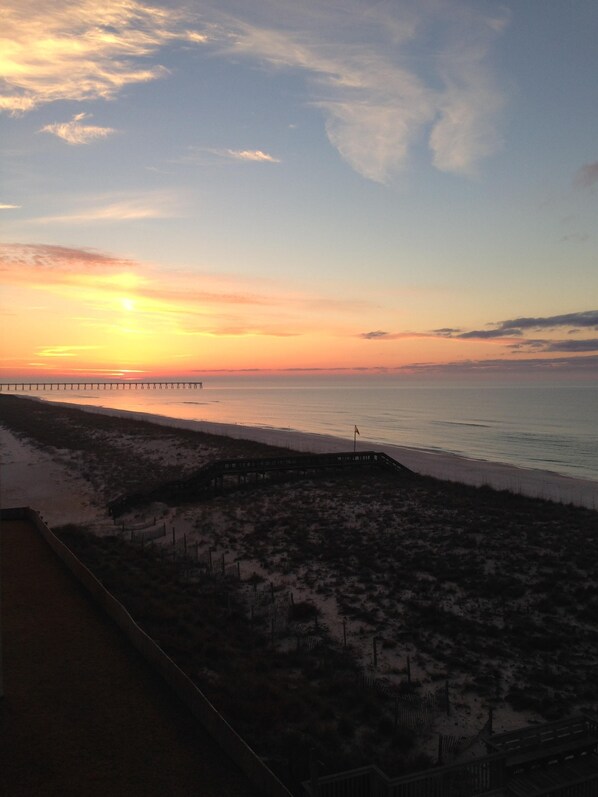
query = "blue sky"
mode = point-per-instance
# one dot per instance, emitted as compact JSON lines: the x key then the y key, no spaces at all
{"x":313,"y":185}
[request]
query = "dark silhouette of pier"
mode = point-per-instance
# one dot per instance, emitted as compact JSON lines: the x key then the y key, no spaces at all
{"x":128,"y":385}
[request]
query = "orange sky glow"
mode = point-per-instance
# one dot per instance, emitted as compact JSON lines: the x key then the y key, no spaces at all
{"x":373,"y":187}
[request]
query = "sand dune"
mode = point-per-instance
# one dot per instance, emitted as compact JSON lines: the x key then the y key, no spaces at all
{"x":440,"y":465}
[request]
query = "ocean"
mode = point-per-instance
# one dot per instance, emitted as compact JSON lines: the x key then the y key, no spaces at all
{"x":551,"y":427}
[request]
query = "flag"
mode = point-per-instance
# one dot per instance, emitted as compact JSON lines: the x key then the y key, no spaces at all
{"x":357,"y":431}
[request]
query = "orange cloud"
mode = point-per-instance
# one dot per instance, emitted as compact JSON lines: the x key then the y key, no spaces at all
{"x":111,"y":293}
{"x":81,"y":49}
{"x":63,"y":351}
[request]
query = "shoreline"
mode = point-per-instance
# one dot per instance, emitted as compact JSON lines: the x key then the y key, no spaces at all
{"x":457,"y":566}
{"x":534,"y":483}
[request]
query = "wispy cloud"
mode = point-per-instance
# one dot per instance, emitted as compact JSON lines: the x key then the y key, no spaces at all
{"x":572,"y":345}
{"x":581,"y":365}
{"x":4,"y":206}
{"x":114,"y":291}
{"x":587,"y":318}
{"x":470,"y":104}
{"x":586,"y":176}
{"x":75,"y":132}
{"x":578,"y":365}
{"x":488,"y":334}
{"x":150,"y":205}
{"x":210,"y":155}
{"x":63,"y":351}
{"x":378,"y":94}
{"x":18,"y":258}
{"x":81,"y":49}
{"x":255,"y":155}
{"x":240,"y":331}
{"x":379,"y":334}
{"x":516,"y":327}
{"x":511,"y":334}
{"x":369,"y":67}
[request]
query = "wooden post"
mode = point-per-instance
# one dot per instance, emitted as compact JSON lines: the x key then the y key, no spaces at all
{"x":238,"y":570}
{"x":173,"y":537}
{"x":272,"y":591}
{"x":375,"y":649}
{"x":344,"y":632}
{"x":448,"y":704}
{"x":490,"y":719}
{"x":408,"y":670}
{"x":439,"y":749}
{"x":396,"y":711}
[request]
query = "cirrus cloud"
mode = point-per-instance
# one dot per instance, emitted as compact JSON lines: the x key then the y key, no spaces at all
{"x":118,"y":208}
{"x":81,"y":50}
{"x":255,"y":155}
{"x":378,"y":96}
{"x":74,"y":132}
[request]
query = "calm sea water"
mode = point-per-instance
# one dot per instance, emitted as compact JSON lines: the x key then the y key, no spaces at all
{"x":534,"y":426}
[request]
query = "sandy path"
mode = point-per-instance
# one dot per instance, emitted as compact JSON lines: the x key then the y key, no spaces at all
{"x":31,"y":477}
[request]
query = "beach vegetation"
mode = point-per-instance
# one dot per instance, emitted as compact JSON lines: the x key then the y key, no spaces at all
{"x":490,"y":591}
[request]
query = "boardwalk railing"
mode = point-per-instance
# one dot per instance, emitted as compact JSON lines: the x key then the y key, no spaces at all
{"x":473,"y":779}
{"x":264,"y":780}
{"x":235,"y":473}
{"x":490,"y":775}
{"x":550,"y":735}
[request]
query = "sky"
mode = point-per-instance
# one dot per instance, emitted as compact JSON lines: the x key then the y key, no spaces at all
{"x":388,"y":187}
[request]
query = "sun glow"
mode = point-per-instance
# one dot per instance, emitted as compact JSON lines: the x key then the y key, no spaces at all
{"x":127,"y":304}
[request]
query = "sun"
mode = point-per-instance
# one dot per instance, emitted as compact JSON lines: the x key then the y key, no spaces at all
{"x":127,"y":304}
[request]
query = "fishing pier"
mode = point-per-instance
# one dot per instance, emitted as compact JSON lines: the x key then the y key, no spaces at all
{"x":128,"y":385}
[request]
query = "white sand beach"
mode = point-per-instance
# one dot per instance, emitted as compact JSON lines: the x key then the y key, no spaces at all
{"x":35,"y":478}
{"x":441,"y":465}
{"x":51,"y":483}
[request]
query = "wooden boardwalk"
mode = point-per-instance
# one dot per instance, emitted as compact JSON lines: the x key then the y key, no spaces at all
{"x":226,"y":475}
{"x":82,"y":713}
{"x":557,"y":759}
